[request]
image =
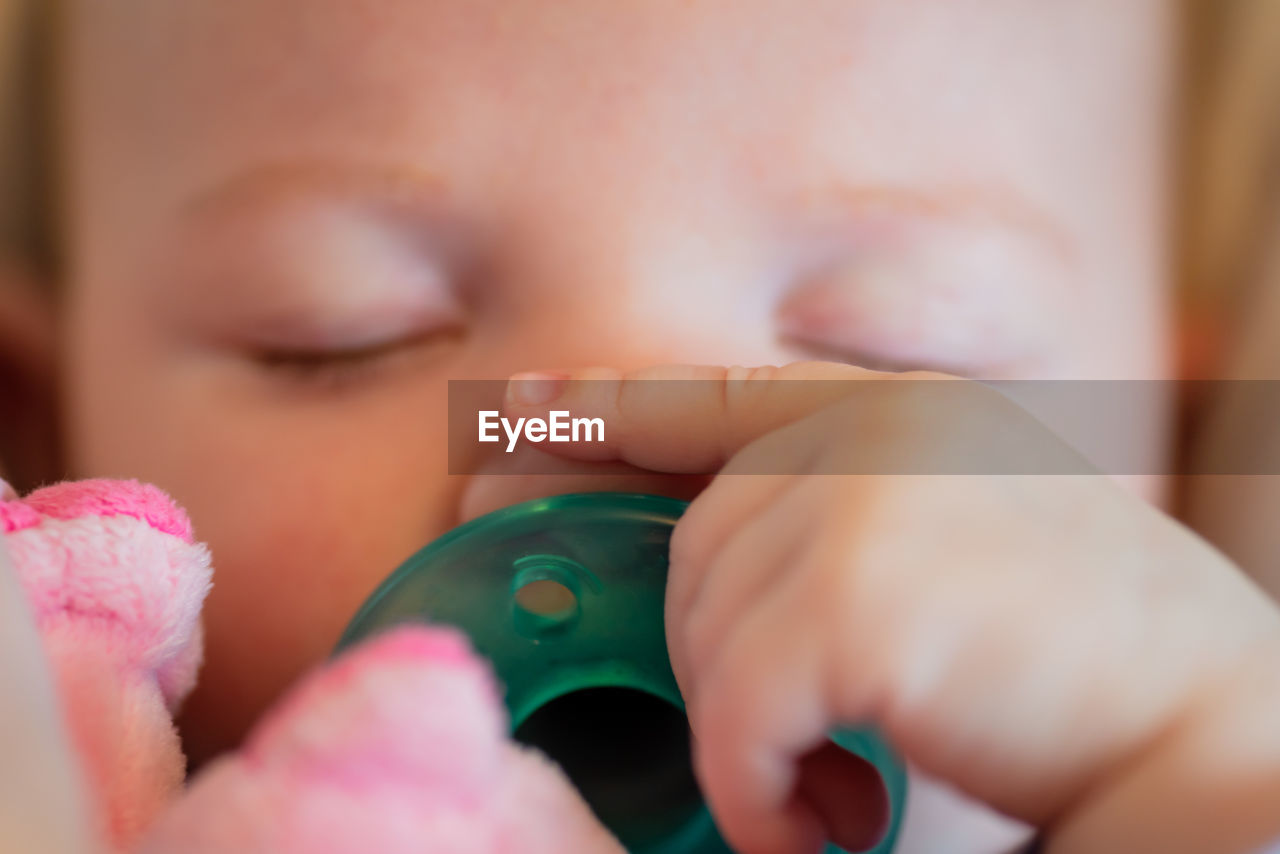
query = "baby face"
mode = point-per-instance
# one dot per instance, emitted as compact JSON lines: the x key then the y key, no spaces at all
{"x":291,"y":223}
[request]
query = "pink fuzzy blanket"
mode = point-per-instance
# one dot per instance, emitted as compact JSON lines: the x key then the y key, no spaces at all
{"x":398,"y":746}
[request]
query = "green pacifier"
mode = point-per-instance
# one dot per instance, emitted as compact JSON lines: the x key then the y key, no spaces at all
{"x":564,"y":596}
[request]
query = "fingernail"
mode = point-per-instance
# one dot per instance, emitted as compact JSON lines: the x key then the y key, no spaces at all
{"x":535,"y":388}
{"x":7,"y":492}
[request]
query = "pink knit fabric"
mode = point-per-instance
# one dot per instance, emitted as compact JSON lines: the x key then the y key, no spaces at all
{"x":398,"y":746}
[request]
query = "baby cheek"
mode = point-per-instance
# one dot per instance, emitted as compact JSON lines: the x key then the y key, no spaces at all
{"x":322,"y":493}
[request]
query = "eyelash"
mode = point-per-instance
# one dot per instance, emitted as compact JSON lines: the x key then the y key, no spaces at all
{"x":335,"y":370}
{"x":865,"y":360}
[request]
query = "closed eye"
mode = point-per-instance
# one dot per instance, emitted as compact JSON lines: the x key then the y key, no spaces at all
{"x":339,"y":368}
{"x":867,"y":360}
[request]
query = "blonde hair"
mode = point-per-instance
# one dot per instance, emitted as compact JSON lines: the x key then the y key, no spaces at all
{"x":1232,"y":152}
{"x":25,"y":200}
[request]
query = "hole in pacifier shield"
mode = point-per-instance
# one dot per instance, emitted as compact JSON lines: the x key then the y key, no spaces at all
{"x":547,"y":599}
{"x":627,"y":752}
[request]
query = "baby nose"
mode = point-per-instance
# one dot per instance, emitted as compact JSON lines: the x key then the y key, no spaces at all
{"x":681,"y":334}
{"x":625,"y":291}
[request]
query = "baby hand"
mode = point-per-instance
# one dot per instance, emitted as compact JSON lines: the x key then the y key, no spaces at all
{"x":1047,"y":643}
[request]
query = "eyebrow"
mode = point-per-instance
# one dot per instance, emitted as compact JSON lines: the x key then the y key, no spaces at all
{"x":285,"y":181}
{"x":415,"y":187}
{"x":1000,"y":206}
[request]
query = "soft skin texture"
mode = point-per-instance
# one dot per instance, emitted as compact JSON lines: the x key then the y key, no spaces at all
{"x":290,"y":223}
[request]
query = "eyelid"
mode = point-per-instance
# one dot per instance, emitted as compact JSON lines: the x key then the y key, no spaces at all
{"x":319,"y":276}
{"x":960,"y":295}
{"x":991,"y":206}
{"x":303,"y":225}
{"x":303,"y":353}
{"x":880,"y":315}
{"x":337,"y":330}
{"x":338,"y":371}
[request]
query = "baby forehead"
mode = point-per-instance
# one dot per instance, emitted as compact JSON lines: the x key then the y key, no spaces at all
{"x":910,"y":85}
{"x":614,"y":50}
{"x":309,"y":52}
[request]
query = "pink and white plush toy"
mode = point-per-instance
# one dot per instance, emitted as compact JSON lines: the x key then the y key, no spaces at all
{"x":398,"y":746}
